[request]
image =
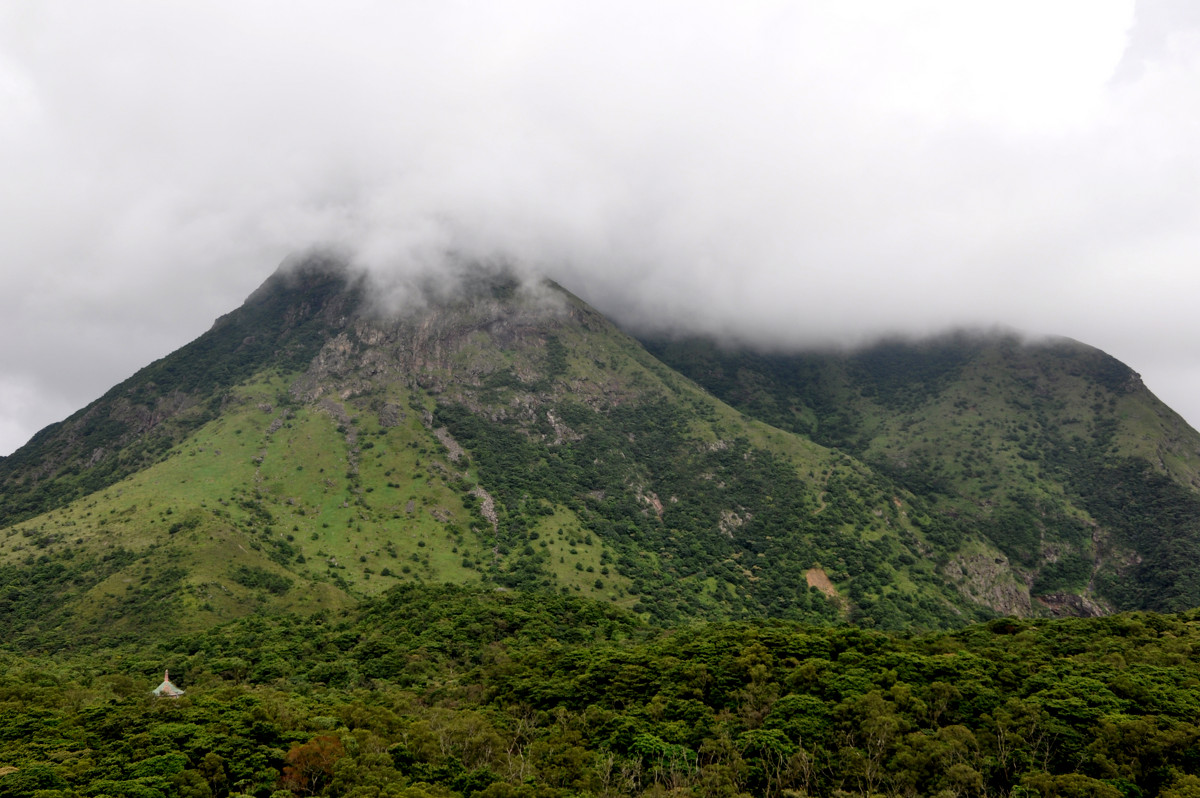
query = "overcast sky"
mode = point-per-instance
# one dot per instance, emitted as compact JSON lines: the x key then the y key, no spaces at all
{"x":787,"y":172}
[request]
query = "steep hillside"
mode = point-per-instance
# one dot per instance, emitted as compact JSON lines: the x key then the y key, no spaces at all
{"x":282,"y":325}
{"x":1052,"y":479}
{"x":315,"y":448}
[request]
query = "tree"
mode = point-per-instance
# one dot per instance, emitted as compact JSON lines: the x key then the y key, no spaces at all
{"x":310,"y":765}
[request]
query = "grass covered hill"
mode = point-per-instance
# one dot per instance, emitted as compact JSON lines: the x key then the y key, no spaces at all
{"x":332,"y":439}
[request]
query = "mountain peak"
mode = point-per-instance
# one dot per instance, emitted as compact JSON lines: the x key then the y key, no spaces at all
{"x":344,"y":431}
{"x":315,"y":284}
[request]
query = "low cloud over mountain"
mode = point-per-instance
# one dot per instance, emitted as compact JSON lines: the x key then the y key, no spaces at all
{"x":782,"y":175}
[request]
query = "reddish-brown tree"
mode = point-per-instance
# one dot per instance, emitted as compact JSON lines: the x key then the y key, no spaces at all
{"x":310,"y":765}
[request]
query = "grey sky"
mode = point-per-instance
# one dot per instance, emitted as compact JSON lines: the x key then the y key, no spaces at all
{"x":796,"y":173}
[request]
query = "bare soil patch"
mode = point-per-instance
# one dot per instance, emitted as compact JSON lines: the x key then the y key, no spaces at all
{"x":816,"y":577}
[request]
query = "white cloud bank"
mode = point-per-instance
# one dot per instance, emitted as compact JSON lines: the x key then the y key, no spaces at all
{"x":788,"y":172}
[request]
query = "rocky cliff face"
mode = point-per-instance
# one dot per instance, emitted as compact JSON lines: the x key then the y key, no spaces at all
{"x":434,"y":344}
{"x":988,"y":578}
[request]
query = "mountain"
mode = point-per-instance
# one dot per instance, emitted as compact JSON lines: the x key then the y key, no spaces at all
{"x":330,"y":440}
{"x":1054,"y":480}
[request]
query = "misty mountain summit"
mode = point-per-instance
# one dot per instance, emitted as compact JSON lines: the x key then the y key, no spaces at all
{"x":337,"y":436}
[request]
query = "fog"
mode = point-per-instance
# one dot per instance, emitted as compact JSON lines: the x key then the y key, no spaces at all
{"x":786,"y":174}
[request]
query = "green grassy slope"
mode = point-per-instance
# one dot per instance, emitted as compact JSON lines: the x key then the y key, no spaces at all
{"x":272,"y":506}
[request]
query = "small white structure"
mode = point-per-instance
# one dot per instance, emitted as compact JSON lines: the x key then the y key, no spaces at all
{"x":166,"y":688}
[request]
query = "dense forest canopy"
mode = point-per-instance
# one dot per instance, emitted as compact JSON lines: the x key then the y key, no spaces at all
{"x":468,"y":692}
